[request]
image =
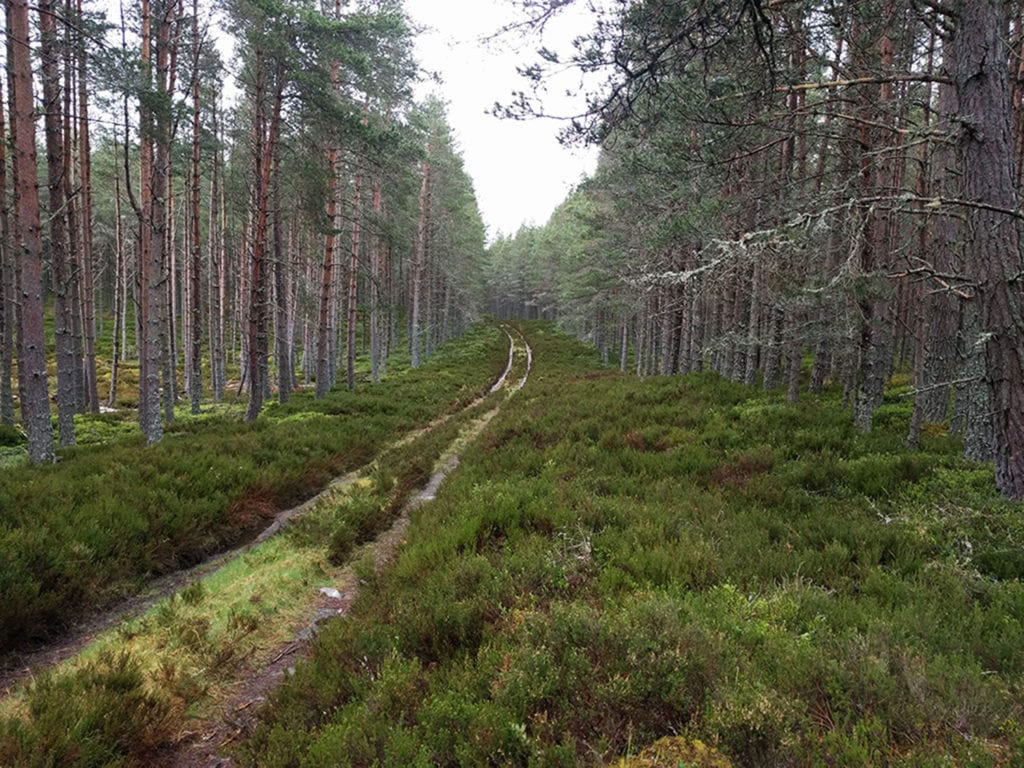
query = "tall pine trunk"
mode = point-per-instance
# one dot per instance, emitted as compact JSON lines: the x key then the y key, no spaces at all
{"x":32,"y":380}
{"x":993,"y":228}
{"x":7,"y":297}
{"x":194,"y":308}
{"x":257,"y":324}
{"x":60,"y":258}
{"x":417,"y":269}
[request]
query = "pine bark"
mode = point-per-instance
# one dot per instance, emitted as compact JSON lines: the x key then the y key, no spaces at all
{"x":195,"y":310}
{"x":7,"y":285}
{"x":32,"y":379}
{"x":993,"y":232}
{"x":152,"y":223}
{"x":257,"y":323}
{"x":325,"y":325}
{"x":353,"y":270}
{"x":283,"y":349}
{"x":85,"y":208}
{"x":418,"y":265}
{"x":60,"y":258}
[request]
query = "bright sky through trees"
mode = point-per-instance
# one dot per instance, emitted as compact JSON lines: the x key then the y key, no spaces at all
{"x":519,"y":170}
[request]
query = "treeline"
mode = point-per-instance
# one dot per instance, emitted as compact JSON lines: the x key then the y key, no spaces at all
{"x":267,"y":224}
{"x":781,"y":182}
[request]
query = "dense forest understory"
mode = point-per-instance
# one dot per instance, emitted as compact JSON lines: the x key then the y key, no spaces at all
{"x":620,"y":571}
{"x":621,"y":561}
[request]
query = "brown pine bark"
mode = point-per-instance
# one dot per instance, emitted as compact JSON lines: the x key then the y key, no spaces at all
{"x":217,"y":287}
{"x":257,"y":321}
{"x":85,"y":217}
{"x":353,"y":265}
{"x":325,"y":321}
{"x":32,"y":379}
{"x":60,"y":258}
{"x":120,"y":293}
{"x":994,"y":238}
{"x":876,"y":331}
{"x":376,"y":277}
{"x":195,"y":309}
{"x":152,"y":221}
{"x":418,"y":264}
{"x":7,"y":284}
{"x":283,"y":349}
{"x":70,"y":195}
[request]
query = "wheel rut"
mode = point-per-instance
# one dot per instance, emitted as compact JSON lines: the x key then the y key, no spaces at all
{"x":203,"y":740}
{"x":203,"y":745}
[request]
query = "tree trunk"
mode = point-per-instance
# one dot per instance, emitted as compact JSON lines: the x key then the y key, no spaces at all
{"x":35,"y":400}
{"x":993,"y":233}
{"x":60,"y":259}
{"x":416,"y":273}
{"x":257,"y":284}
{"x":283,"y":349}
{"x":194,"y":308}
{"x":120,"y":292}
{"x":353,"y":272}
{"x":85,"y":217}
{"x":152,"y":222}
{"x":325,"y":326}
{"x":7,"y":296}
{"x":376,"y":276}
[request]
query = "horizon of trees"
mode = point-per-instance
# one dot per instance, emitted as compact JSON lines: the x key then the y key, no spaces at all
{"x":324,"y":214}
{"x":796,"y":179}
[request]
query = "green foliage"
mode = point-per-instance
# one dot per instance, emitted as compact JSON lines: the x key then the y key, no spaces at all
{"x":10,"y":436}
{"x":623,"y":560}
{"x":75,"y":535}
{"x":102,"y":715}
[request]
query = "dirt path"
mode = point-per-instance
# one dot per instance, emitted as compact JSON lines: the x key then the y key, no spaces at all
{"x":240,"y":701}
{"x":202,"y":746}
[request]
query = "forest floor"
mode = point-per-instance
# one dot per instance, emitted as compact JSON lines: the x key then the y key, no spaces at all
{"x":236,"y":714}
{"x":621,"y":572}
{"x":225,"y":710}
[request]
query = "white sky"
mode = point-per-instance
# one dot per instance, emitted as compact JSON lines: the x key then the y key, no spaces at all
{"x":520,"y":172}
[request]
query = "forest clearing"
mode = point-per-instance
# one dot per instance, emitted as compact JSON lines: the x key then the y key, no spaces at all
{"x":303,"y":463}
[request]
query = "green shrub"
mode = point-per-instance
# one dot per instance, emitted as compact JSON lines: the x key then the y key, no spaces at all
{"x":10,"y":436}
{"x":78,"y":534}
{"x":623,"y":560}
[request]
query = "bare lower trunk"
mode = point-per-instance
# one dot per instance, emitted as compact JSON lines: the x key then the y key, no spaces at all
{"x":7,"y":296}
{"x":416,"y":276}
{"x":283,"y":348}
{"x":32,"y":379}
{"x":63,"y":282}
{"x":325,"y":326}
{"x":994,"y":256}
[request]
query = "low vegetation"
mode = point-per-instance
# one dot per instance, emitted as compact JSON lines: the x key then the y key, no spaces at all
{"x":624,"y":561}
{"x":93,"y":527}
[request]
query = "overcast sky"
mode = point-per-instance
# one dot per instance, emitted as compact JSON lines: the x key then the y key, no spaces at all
{"x":519,"y":170}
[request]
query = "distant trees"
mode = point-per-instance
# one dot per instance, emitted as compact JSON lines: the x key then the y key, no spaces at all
{"x":279,"y":237}
{"x":778,"y":181}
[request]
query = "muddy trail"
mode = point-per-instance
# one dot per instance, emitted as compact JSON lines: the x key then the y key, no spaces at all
{"x":240,"y":700}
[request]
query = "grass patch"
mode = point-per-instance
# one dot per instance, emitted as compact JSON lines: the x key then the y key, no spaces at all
{"x":176,"y":661}
{"x":623,"y":561}
{"x":76,"y":535}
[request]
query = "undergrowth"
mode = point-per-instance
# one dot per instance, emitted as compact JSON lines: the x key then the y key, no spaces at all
{"x":624,"y":561}
{"x":77,"y":535}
